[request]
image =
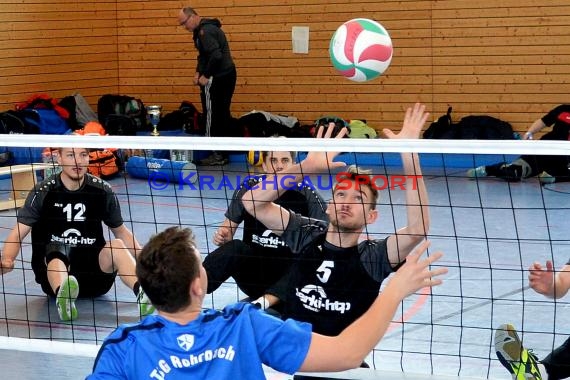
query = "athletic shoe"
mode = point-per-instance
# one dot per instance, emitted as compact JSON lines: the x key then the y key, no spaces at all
{"x":214,"y":159}
{"x":519,"y":361}
{"x":512,"y":173}
{"x":477,"y":172}
{"x":65,"y":299}
{"x":546,"y":178}
{"x":145,"y":306}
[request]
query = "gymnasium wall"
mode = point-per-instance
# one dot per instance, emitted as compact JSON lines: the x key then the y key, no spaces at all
{"x":58,"y":47}
{"x":508,"y":59}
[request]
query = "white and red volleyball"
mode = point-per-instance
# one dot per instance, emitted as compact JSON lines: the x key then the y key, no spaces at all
{"x":361,"y":49}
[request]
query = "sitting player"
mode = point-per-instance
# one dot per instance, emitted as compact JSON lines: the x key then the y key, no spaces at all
{"x":70,"y":257}
{"x":261,"y":258}
{"x":549,"y":169}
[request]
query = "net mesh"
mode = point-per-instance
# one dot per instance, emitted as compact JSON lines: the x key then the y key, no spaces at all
{"x":491,"y":230}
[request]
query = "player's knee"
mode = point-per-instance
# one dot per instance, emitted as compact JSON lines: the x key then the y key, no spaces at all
{"x":116,"y":248}
{"x":110,"y":256}
{"x":57,"y":251}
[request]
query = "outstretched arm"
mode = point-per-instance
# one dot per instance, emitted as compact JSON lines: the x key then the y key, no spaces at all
{"x":405,"y":239}
{"x":544,"y":281}
{"x":12,"y":246}
{"x":348,"y":349}
{"x":259,"y":201}
{"x":534,"y":128}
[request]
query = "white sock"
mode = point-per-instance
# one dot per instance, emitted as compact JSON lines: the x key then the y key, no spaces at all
{"x":542,"y":370}
{"x":262,"y":302}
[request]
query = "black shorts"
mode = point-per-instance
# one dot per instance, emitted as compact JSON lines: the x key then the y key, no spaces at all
{"x":254,"y":270}
{"x":84,"y":266}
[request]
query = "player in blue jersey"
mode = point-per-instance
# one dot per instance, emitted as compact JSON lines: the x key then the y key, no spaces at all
{"x":521,"y":362}
{"x":186,"y":342}
{"x":70,"y":257}
{"x":261,"y":258}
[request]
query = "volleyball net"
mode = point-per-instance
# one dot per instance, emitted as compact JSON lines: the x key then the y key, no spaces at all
{"x":490,"y":230}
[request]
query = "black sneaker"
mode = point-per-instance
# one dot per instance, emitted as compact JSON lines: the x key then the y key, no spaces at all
{"x":511,"y":173}
{"x":214,"y":159}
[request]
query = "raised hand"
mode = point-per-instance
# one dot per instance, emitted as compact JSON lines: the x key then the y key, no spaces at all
{"x":6,"y":266}
{"x":415,"y":273}
{"x":414,"y":120}
{"x":222,"y":235}
{"x":318,"y":162}
{"x":541,"y":279}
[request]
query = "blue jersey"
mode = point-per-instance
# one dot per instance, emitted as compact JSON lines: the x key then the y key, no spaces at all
{"x":227,"y":344}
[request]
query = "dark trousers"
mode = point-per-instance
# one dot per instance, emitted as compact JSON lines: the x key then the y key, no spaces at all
{"x":556,"y":166}
{"x":557,"y":364}
{"x":253,"y":271}
{"x":216,"y":101}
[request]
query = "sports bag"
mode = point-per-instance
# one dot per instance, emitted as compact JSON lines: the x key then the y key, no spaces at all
{"x":186,"y":118}
{"x":122,"y":105}
{"x":12,"y":122}
{"x":194,"y":123}
{"x":103,"y":163}
{"x":42,"y":114}
{"x":479,"y":127}
{"x":360,"y":130}
{"x":46,"y":121}
{"x":121,"y":125}
{"x":44,"y":101}
{"x":339,"y":124}
{"x":80,"y":112}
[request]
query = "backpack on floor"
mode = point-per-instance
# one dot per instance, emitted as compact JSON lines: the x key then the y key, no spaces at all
{"x":360,"y":130}
{"x":44,"y":114}
{"x":103,"y":163}
{"x":44,"y":101}
{"x":121,"y":125}
{"x":80,"y":113}
{"x":479,"y":127}
{"x":339,"y":123}
{"x":186,"y":118}
{"x":46,"y":121}
{"x":12,"y":122}
{"x":121,"y":114}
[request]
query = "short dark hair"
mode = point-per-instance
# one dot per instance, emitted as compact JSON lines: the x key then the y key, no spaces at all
{"x":354,"y":173}
{"x":166,"y":267}
{"x":265,"y":154}
{"x":189,"y":11}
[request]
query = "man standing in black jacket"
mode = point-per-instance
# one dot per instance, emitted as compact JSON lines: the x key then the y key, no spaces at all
{"x":215,"y":74}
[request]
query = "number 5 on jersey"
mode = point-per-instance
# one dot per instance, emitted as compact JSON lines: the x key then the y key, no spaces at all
{"x":325,"y":270}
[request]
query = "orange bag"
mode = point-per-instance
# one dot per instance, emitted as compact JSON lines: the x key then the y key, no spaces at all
{"x":103,"y":163}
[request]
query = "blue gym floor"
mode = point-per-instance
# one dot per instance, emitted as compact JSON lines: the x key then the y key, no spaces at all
{"x":489,"y":230}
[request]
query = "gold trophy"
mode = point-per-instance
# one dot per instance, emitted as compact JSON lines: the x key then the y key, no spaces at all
{"x":153,"y":113}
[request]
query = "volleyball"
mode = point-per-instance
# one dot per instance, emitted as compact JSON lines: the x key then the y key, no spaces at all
{"x":254,"y":157}
{"x":361,"y":49}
